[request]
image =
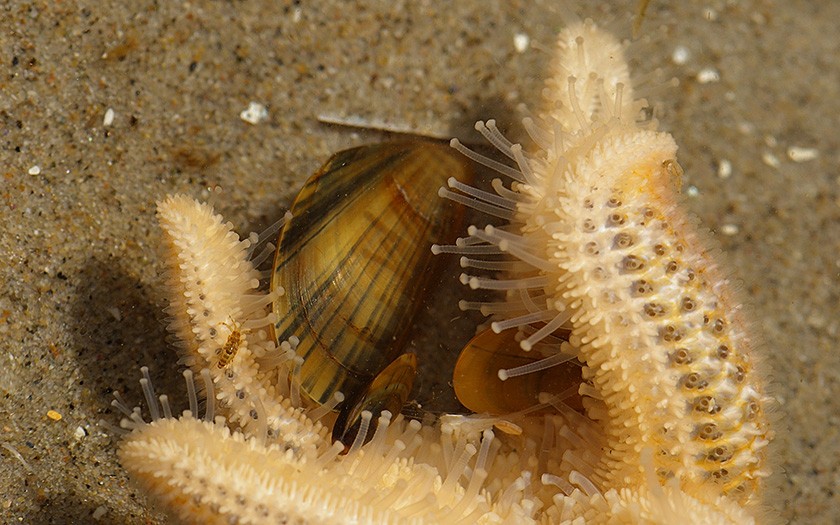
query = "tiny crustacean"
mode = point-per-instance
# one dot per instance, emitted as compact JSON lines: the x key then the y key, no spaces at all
{"x":228,"y":351}
{"x":355,"y":263}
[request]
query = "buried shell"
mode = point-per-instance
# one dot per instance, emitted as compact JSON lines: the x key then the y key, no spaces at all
{"x":355,"y":263}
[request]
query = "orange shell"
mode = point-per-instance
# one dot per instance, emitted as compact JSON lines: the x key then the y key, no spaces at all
{"x":476,"y":376}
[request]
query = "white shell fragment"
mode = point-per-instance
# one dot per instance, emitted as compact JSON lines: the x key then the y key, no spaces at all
{"x":708,"y":75}
{"x":724,"y":169}
{"x":729,"y":229}
{"x":770,"y":159}
{"x":680,"y":55}
{"x":521,"y":41}
{"x":800,"y":154}
{"x":254,"y":113}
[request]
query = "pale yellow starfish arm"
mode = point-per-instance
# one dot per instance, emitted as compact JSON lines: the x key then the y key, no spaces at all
{"x":604,"y":248}
{"x":653,"y":317}
{"x":587,"y":67}
{"x":205,"y":473}
{"x":648,"y":503}
{"x":213,"y":292}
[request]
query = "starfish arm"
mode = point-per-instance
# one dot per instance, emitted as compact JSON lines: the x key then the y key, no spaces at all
{"x":602,"y":246}
{"x":204,"y":473}
{"x":213,"y":293}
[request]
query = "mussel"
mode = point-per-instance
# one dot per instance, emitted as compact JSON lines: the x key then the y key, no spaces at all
{"x":495,"y":376}
{"x":355,"y":262}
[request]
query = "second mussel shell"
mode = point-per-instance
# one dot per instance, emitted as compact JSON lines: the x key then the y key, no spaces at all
{"x":389,"y":391}
{"x":478,"y":386}
{"x":356,"y":264}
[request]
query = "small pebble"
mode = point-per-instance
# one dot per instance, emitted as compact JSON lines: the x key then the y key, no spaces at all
{"x":79,"y":433}
{"x":707,"y":75}
{"x":799,"y":154}
{"x":729,"y":229}
{"x":109,"y":117}
{"x":724,"y":169}
{"x":521,"y":41}
{"x":770,"y":159}
{"x":254,"y":113}
{"x":115,"y":313}
{"x":99,"y":512}
{"x":35,"y":170}
{"x":680,"y":55}
{"x":55,"y":416}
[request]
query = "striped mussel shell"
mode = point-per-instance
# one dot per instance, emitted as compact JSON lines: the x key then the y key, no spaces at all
{"x":356,"y":264}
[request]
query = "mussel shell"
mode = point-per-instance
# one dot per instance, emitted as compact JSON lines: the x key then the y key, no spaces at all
{"x":356,"y":263}
{"x":389,"y":391}
{"x":477,"y":384}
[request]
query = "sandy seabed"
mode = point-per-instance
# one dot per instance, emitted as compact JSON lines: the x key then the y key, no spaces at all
{"x":81,"y":300}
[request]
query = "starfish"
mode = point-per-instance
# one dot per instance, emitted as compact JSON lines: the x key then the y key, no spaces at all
{"x":675,"y":426}
{"x":278,"y":464}
{"x":286,"y":470}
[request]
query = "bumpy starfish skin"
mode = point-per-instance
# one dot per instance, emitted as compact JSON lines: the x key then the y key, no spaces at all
{"x":213,"y":289}
{"x":206,"y":474}
{"x":597,"y":218}
{"x":653,"y":316}
{"x":663,"y":342}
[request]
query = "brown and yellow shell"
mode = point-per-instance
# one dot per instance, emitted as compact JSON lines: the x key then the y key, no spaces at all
{"x":478,"y":386}
{"x":389,"y":391}
{"x":356,"y":264}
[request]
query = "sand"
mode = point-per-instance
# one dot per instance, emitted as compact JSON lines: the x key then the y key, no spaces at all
{"x":107,"y":106}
